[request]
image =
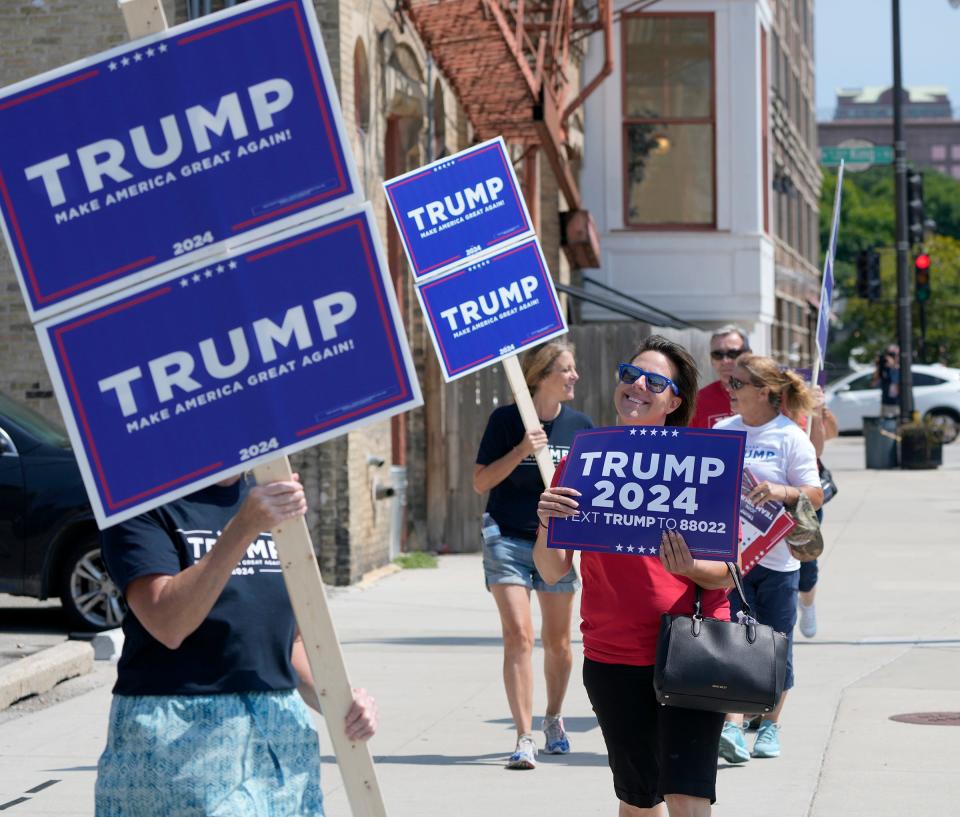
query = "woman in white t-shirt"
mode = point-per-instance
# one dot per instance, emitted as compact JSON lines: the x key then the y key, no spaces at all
{"x":784,"y":464}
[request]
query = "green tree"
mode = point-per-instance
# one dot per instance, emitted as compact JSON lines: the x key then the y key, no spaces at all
{"x":867,"y":219}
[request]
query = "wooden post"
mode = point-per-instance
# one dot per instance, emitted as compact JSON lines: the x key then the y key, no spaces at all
{"x":528,"y":412}
{"x":301,"y":574}
{"x":305,"y":588}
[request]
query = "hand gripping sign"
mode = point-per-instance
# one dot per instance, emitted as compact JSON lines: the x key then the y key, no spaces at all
{"x":144,"y":157}
{"x":457,"y":207}
{"x":638,"y":481}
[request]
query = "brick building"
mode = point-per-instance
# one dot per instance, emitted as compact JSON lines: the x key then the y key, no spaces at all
{"x":932,"y":133}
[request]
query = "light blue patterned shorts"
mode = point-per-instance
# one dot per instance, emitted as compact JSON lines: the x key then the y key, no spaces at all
{"x":253,"y":754}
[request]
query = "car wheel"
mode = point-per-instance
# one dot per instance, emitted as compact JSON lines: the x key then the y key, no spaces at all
{"x":947,"y":423}
{"x":90,"y":598}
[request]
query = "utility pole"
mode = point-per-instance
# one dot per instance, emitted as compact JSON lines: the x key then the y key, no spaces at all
{"x":904,"y":328}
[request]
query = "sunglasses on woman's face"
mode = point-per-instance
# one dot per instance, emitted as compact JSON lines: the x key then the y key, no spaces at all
{"x":736,"y":384}
{"x":630,"y":374}
{"x":729,"y":354}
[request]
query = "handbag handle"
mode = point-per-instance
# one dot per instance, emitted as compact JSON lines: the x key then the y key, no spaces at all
{"x":735,"y":575}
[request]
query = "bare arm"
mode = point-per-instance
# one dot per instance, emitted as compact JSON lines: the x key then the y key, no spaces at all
{"x":489,"y":476}
{"x":361,"y":720}
{"x":553,"y":563}
{"x":173,"y":607}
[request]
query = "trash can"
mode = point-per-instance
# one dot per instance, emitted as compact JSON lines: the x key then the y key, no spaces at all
{"x":880,"y":441}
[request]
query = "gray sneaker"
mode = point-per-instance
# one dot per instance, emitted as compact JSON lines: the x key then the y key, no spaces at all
{"x":525,"y":756}
{"x":557,"y":742}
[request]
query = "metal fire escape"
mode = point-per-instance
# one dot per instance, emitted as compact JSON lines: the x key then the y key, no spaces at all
{"x":510,"y":63}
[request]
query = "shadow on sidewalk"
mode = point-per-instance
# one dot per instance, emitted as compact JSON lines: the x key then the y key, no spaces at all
{"x":496,"y":759}
{"x":571,"y":723}
{"x":49,"y":620}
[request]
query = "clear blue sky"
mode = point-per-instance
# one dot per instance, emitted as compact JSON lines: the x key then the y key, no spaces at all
{"x":854,"y":46}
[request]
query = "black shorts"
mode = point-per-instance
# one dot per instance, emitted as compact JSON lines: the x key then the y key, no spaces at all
{"x":653,"y":750}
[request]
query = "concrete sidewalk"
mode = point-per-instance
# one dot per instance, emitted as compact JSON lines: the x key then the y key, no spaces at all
{"x":427,"y":644}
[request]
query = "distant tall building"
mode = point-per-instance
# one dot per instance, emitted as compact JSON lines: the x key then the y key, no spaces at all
{"x":932,"y":133}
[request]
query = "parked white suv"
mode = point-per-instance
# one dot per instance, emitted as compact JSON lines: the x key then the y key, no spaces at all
{"x":936,"y":394}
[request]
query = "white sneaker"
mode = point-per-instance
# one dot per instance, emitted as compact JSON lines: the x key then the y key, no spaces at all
{"x":808,"y":619}
{"x":525,"y":756}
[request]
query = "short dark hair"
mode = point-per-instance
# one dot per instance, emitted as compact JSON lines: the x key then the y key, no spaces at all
{"x":686,"y":375}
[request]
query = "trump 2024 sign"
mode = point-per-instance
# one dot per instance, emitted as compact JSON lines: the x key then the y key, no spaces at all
{"x":147,"y":156}
{"x":464,"y":205}
{"x":202,"y":373}
{"x":636,"y":482}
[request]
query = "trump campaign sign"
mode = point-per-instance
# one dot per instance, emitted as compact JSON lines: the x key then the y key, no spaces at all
{"x":205,"y":372}
{"x":638,"y":481}
{"x":497,"y":307}
{"x":457,"y":207}
{"x":147,"y":156}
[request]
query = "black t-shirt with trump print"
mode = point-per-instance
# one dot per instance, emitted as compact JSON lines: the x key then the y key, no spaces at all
{"x":244,"y":643}
{"x":513,"y":503}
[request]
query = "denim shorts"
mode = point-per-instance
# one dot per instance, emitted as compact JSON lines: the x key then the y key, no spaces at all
{"x":252,"y":754}
{"x":772,"y":595}
{"x":509,"y":560}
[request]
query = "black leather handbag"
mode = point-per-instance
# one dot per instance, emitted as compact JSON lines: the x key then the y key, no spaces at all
{"x":720,"y":666}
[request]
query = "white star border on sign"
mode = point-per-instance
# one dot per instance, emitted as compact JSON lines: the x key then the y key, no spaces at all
{"x":136,"y":56}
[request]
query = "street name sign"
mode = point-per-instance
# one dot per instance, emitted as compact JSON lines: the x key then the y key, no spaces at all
{"x":457,"y":207}
{"x":205,"y":372}
{"x":177,"y":145}
{"x":638,"y":481}
{"x":492,"y":309}
{"x":865,"y":155}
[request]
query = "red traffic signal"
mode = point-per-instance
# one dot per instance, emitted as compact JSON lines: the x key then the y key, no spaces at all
{"x":921,"y":277}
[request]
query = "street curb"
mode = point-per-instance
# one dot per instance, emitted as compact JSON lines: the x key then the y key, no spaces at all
{"x":373,"y":576}
{"x":43,"y":670}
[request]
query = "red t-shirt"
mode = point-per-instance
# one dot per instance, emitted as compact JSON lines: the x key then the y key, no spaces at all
{"x":623,"y":598}
{"x":713,"y":405}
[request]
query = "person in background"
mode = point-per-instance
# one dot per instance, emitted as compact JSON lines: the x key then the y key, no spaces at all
{"x":713,"y":400}
{"x":507,"y":468}
{"x":823,"y":428}
{"x":784,"y":464}
{"x":206,"y":717}
{"x":656,"y":753}
{"x":886,"y":375}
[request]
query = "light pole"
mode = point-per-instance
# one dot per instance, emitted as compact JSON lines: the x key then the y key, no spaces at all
{"x":904,"y":327}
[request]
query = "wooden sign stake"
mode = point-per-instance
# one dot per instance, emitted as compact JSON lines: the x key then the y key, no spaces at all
{"x":301,"y":574}
{"x":528,"y":412}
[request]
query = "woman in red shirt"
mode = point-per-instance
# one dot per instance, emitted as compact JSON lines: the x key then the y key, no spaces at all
{"x":657,"y":753}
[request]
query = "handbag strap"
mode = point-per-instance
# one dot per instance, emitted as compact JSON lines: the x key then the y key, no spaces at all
{"x":737,"y":583}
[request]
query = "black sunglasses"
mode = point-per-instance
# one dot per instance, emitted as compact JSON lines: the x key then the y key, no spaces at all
{"x":730,"y":354}
{"x":736,"y":384}
{"x":657,"y":383}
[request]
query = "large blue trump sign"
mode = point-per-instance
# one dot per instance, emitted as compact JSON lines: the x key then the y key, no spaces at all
{"x":204,"y":372}
{"x":457,"y":207}
{"x":497,"y":307}
{"x":147,"y":156}
{"x":638,"y":481}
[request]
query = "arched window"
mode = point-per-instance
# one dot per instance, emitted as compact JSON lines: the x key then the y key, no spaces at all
{"x":439,"y":122}
{"x":361,"y":86}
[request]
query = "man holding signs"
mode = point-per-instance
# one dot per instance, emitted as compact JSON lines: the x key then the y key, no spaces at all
{"x":656,"y":753}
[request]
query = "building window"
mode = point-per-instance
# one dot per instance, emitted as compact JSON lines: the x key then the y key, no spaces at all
{"x":938,"y":152}
{"x":668,"y":120}
{"x":955,"y":171}
{"x":361,"y":86}
{"x":955,"y":152}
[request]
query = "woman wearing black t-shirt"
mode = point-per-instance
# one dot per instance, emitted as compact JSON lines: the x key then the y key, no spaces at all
{"x":507,"y":468}
{"x":206,"y":718}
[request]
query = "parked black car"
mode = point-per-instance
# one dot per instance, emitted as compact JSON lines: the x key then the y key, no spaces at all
{"x":49,"y":540}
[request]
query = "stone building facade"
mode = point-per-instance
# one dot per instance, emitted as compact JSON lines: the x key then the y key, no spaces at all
{"x":400,"y":113}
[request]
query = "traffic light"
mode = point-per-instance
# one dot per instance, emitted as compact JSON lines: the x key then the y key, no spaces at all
{"x":868,"y":274}
{"x":915,"y":216}
{"x":921,"y":277}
